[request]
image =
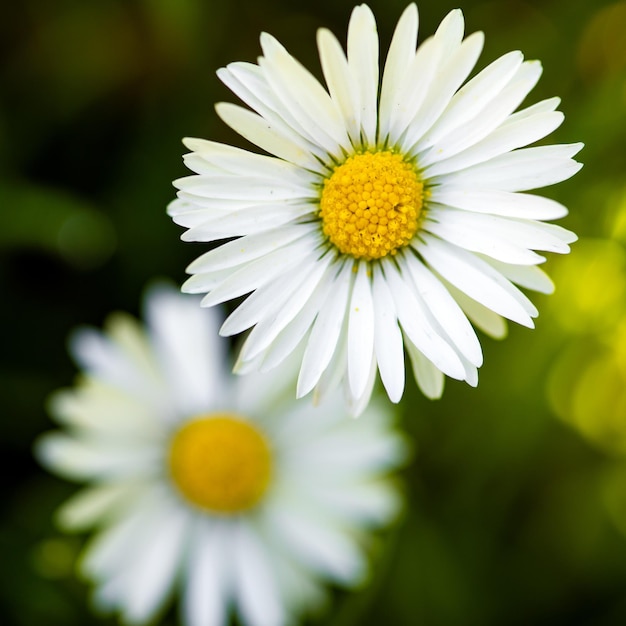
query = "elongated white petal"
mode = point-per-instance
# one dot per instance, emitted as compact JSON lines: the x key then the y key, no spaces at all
{"x":360,"y":332}
{"x":291,"y":336}
{"x":471,"y":99}
{"x":341,"y":82}
{"x":306,"y":98}
{"x":79,"y":459}
{"x":530,"y":277}
{"x":445,"y":310}
{"x":319,"y":546}
{"x":495,"y":202}
{"x":483,"y":318}
{"x":93,"y":504}
{"x":269,"y":328}
{"x":191,"y":354}
{"x":418,"y":328}
{"x":246,"y":249}
{"x":456,"y":64}
{"x":249,"y":221}
{"x":255,"y":275}
{"x":401,"y":53}
{"x":504,"y":239}
{"x":324,"y":335}
{"x":494,"y":114}
{"x":152,"y":574}
{"x":504,"y":139}
{"x":254,"y":188}
{"x":363,"y":64}
{"x":357,"y":404}
{"x":209,"y":575}
{"x":429,"y":378}
{"x":257,"y":594}
{"x":249,"y":83}
{"x":529,"y":168}
{"x":480,"y":236}
{"x":263,"y":134}
{"x":388,"y":344}
{"x":241,"y":162}
{"x":477,"y":279}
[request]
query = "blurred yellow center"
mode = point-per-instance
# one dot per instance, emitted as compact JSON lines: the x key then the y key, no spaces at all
{"x":370,"y":205}
{"x":220,"y":462}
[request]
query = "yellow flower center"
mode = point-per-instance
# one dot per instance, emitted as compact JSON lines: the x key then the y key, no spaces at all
{"x":220,"y":462}
{"x":371,"y":204}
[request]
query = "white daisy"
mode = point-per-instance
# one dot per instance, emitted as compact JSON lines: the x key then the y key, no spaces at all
{"x":217,"y":484}
{"x":389,"y":215}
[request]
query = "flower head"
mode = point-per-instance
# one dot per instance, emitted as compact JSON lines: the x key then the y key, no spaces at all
{"x":380,"y":222}
{"x":217,"y":484}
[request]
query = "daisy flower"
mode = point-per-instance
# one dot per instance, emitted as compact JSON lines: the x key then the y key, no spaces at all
{"x":391,"y":214}
{"x":221,"y":486}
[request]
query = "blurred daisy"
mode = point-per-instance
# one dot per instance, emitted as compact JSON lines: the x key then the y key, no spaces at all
{"x":219,"y":485}
{"x":383,"y":221}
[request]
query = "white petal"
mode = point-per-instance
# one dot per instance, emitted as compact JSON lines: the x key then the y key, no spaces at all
{"x":92,"y":505}
{"x":470,"y":100}
{"x":267,"y":301}
{"x":530,"y":168}
{"x":248,"y":248}
{"x":341,"y":83}
{"x":445,"y":310}
{"x":245,"y":221}
{"x":363,"y":63}
{"x":109,"y":551}
{"x":263,"y":134}
{"x":503,"y":239}
{"x":190,"y":353}
{"x":336,"y":370}
{"x":360,"y":332}
{"x":81,"y":459}
{"x":208,"y":575}
{"x":357,"y":404}
{"x":504,"y":139}
{"x":387,"y":338}
{"x":477,"y":238}
{"x":495,"y":113}
{"x":152,"y":572}
{"x":415,"y":324}
{"x":358,"y":503}
{"x":399,"y":57}
{"x":477,"y":279}
{"x":256,"y":189}
{"x":325,"y":333}
{"x":531,"y":277}
{"x":97,"y":408}
{"x":206,"y":281}
{"x":489,"y":322}
{"x":302,"y":93}
{"x":429,"y":378}
{"x":407,"y":101}
{"x":291,"y":336}
{"x":322,"y":548}
{"x":456,"y":62}
{"x":242,"y":162}
{"x":258,"y":596}
{"x":121,"y":356}
{"x":496,"y":202}
{"x":259,"y":273}
{"x":250,"y":84}
{"x":270,"y":327}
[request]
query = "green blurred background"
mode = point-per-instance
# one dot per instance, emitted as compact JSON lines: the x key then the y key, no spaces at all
{"x":517,"y":492}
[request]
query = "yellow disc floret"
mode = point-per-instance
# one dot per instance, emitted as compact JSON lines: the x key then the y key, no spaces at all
{"x":371,"y":204}
{"x":220,"y":462}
